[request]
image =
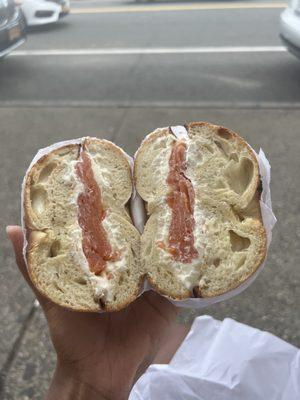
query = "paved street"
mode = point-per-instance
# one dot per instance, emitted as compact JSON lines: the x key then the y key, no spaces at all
{"x":119,"y":70}
{"x":232,"y":71}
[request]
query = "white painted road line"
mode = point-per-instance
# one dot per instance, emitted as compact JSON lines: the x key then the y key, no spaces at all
{"x":149,"y":51}
{"x":177,"y":7}
{"x":68,"y":103}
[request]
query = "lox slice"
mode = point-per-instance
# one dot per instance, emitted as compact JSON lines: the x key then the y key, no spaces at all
{"x":83,"y":250}
{"x":204,"y":235}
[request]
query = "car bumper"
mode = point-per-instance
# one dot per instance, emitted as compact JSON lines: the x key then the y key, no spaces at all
{"x":290,"y":30}
{"x":290,"y":46}
{"x":43,"y":12}
{"x":8,"y":41}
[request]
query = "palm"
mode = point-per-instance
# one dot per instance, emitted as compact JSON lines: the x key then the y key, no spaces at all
{"x":80,"y":336}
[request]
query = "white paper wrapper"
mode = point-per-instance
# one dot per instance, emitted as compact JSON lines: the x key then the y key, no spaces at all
{"x":137,"y":208}
{"x":139,"y":216}
{"x":269,"y":221}
{"x":224,"y":361}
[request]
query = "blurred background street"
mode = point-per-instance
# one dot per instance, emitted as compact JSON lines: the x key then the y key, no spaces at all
{"x":118,"y":70}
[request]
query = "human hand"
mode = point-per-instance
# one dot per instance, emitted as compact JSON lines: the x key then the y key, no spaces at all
{"x":100,"y":356}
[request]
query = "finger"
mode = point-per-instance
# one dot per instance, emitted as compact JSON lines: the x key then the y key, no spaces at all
{"x":16,"y":237}
{"x":15,"y":234}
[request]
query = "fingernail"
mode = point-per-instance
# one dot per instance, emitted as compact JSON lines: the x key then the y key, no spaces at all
{"x":10,"y":229}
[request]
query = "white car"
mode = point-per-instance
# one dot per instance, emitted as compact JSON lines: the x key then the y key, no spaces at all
{"x":290,"y":27}
{"x":40,"y":12}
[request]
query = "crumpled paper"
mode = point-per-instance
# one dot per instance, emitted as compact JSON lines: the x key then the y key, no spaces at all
{"x":224,"y":361}
{"x":139,"y":215}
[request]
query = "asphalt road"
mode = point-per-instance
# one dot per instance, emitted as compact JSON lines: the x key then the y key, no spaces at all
{"x":234,"y":69}
{"x":118,"y":71}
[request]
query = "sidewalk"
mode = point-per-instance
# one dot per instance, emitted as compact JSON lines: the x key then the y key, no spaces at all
{"x":271,"y":303}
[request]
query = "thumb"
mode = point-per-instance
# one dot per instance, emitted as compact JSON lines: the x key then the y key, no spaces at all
{"x":16,"y":236}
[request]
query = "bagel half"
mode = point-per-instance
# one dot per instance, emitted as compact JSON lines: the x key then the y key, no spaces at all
{"x":204,"y":235}
{"x":83,"y":251}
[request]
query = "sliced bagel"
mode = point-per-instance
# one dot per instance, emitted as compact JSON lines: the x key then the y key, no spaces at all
{"x":83,"y":251}
{"x":204,"y":235}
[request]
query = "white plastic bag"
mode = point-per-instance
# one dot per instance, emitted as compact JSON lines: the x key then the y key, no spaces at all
{"x":224,"y":361}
